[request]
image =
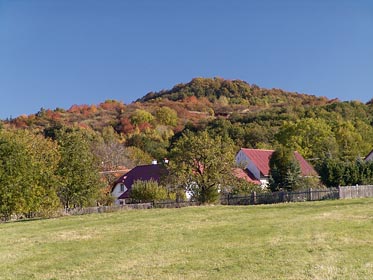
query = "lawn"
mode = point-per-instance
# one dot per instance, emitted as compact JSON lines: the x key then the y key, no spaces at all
{"x":310,"y":240}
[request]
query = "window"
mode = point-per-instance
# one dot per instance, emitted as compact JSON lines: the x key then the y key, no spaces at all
{"x":122,"y":187}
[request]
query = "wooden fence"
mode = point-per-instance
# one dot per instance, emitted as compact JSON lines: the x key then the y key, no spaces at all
{"x":251,"y":199}
{"x":174,"y":204}
{"x":355,"y":191}
{"x":106,"y":209}
{"x":299,"y":196}
{"x":117,"y":208}
{"x":280,"y":197}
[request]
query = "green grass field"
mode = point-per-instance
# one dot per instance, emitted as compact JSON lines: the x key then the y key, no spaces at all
{"x":311,"y":240}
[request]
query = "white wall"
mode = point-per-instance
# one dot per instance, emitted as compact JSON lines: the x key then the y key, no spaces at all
{"x":244,"y":161}
{"x":117,"y":192}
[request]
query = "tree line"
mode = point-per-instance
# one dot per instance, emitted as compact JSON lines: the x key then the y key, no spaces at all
{"x":39,"y":174}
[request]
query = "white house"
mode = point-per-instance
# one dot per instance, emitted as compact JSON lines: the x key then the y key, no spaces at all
{"x":256,"y":163}
{"x":122,"y":186}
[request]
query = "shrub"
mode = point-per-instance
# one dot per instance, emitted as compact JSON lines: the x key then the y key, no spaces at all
{"x":146,"y":191}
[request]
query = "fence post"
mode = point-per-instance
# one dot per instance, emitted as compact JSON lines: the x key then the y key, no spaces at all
{"x":281,"y":196}
{"x":310,"y":194}
{"x":253,"y":197}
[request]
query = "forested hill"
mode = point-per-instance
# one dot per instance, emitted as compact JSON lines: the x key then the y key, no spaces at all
{"x":235,"y":92}
{"x":201,"y":98}
{"x":252,"y":116}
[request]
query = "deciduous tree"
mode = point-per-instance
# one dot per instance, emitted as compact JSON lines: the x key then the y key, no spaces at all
{"x":166,"y":116}
{"x":202,"y":164}
{"x":28,"y":165}
{"x":78,"y":170}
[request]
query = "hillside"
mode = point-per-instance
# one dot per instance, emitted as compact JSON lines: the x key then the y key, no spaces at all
{"x":250,"y":115}
{"x":199,"y":99}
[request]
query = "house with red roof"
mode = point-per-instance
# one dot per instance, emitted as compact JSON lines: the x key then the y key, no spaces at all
{"x":121,"y":189}
{"x":255,"y":163}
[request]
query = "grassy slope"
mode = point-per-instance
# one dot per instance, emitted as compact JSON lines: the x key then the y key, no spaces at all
{"x":318,"y":240}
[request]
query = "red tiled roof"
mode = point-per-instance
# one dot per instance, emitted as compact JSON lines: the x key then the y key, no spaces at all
{"x":261,"y":159}
{"x":246,"y":175}
{"x":141,"y":172}
{"x":305,"y":167}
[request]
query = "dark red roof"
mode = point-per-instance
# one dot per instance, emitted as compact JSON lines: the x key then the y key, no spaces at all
{"x":246,"y":175}
{"x":261,"y":159}
{"x":306,"y":168}
{"x":141,"y":172}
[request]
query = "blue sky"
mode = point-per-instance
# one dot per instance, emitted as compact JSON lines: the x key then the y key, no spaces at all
{"x":56,"y":53}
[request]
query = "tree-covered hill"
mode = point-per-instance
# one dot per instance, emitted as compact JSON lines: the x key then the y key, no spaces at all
{"x":233,"y":92}
{"x":252,"y":116}
{"x":199,"y":99}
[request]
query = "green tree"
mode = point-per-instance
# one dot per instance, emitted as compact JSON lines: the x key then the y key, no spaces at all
{"x":284,"y":170}
{"x":202,"y":164}
{"x":28,"y":164}
{"x":166,"y":116}
{"x":336,"y":172}
{"x":141,"y":116}
{"x":331,"y":172}
{"x":44,"y":158}
{"x":78,"y":170}
{"x":349,"y":140}
{"x":311,"y":137}
{"x":157,"y":148}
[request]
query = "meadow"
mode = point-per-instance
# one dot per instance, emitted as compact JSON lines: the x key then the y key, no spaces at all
{"x":310,"y":240}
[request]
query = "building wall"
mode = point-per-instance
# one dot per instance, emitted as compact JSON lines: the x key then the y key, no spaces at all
{"x":117,"y":192}
{"x":244,"y":162}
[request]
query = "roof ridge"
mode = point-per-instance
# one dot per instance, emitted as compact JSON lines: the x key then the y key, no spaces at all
{"x":268,"y":150}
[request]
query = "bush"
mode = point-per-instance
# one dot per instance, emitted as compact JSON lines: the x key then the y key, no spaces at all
{"x":147,"y":191}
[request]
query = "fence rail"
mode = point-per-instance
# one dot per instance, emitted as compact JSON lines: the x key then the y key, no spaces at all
{"x":344,"y":192}
{"x":174,"y":204}
{"x":116,"y":208}
{"x":355,"y":191}
{"x":106,"y":209}
{"x":280,"y":197}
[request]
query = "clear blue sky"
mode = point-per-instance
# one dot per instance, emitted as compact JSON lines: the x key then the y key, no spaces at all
{"x":56,"y":53}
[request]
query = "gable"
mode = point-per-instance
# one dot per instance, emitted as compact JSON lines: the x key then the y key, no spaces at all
{"x":260,"y":158}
